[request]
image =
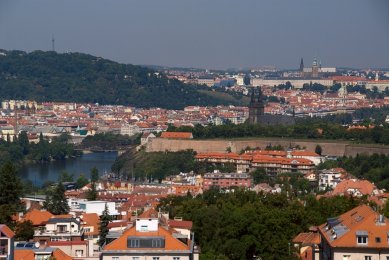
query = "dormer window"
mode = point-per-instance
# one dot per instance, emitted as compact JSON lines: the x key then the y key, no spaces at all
{"x":362,"y":237}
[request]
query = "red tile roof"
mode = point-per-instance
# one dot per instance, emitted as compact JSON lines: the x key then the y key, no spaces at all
{"x":37,"y":217}
{"x":183,"y":224}
{"x":171,"y":243}
{"x":6,"y":231}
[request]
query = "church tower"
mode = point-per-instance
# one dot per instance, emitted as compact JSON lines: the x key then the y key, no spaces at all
{"x":315,"y":69}
{"x":302,"y":65}
{"x":256,"y":107}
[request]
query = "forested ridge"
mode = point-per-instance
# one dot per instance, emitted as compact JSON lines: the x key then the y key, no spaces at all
{"x":76,"y":77}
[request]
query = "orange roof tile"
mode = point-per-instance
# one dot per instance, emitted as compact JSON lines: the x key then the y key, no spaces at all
{"x":91,"y":219}
{"x":6,"y":231}
{"x":38,"y":217}
{"x":360,"y":219}
{"x":24,"y":254}
{"x":171,"y":243}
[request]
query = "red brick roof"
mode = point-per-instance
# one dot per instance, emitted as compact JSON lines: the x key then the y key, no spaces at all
{"x":38,"y":217}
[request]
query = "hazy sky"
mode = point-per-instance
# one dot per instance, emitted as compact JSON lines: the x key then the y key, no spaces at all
{"x":204,"y":33}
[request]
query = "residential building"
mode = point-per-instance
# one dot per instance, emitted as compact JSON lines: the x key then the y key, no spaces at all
{"x":6,"y":243}
{"x":226,"y":180}
{"x":151,"y":239}
{"x":60,"y":229}
{"x":360,"y":233}
{"x":330,"y":178}
{"x":41,"y":253}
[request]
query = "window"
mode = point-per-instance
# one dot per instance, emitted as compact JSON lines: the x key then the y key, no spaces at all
{"x":135,"y":258}
{"x":176,"y":258}
{"x":79,"y":253}
{"x":115,"y":258}
{"x":378,"y":240}
{"x":362,"y":240}
{"x":368,"y":257}
{"x":347,"y":257}
{"x":155,"y":258}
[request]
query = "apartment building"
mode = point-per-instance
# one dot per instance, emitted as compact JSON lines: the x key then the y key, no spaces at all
{"x":360,"y":233}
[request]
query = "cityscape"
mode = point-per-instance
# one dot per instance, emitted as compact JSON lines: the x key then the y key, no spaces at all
{"x":194,"y":131}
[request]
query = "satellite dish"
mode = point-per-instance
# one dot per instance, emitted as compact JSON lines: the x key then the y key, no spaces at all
{"x":37,"y":244}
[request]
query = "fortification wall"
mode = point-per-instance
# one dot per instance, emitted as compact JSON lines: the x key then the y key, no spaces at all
{"x":330,"y":148}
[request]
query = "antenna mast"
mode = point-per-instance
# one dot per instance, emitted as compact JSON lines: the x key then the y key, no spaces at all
{"x":52,"y":43}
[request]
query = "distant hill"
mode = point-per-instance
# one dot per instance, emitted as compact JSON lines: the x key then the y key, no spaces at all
{"x":76,"y":77}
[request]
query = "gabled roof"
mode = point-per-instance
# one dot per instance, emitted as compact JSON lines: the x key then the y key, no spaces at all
{"x":363,"y":186}
{"x":177,"y":135}
{"x":38,"y":217}
{"x":25,"y":254}
{"x":6,"y":231}
{"x":150,"y":213}
{"x":171,"y":243}
{"x":361,"y":220}
{"x":91,"y":219}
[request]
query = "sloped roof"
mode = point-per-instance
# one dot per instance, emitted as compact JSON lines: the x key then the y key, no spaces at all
{"x":364,"y":186}
{"x":361,"y":219}
{"x":6,"y":231}
{"x":184,"y":224}
{"x":91,"y":219}
{"x":25,"y":254}
{"x":171,"y":243}
{"x":38,"y":217}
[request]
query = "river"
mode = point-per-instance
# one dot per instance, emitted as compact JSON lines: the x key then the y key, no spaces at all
{"x":40,"y":173}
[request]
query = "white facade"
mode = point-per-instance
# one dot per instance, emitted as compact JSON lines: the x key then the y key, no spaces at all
{"x":98,"y":207}
{"x":146,"y":225}
{"x":329,"y":179}
{"x":297,"y":83}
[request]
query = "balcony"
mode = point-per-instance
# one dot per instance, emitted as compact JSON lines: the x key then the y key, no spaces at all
{"x":49,"y":233}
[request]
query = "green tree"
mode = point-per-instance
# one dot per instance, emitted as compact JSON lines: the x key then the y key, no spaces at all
{"x":24,"y":142}
{"x":318,"y":149}
{"x":10,"y":192}
{"x":105,"y":219}
{"x":94,"y":174}
{"x":92,"y":193}
{"x":24,"y":231}
{"x":56,"y":201}
{"x":81,"y":181}
{"x":66,"y":177}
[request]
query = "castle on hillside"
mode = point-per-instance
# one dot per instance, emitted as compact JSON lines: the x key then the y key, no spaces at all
{"x":257,"y":113}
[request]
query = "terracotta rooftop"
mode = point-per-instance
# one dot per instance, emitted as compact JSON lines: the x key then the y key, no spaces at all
{"x":171,"y":243}
{"x":38,"y":217}
{"x":342,"y":231}
{"x":4,"y":229}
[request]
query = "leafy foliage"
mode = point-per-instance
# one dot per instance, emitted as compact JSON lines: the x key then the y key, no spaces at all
{"x":76,"y":77}
{"x":56,"y":201}
{"x":374,"y":168}
{"x":24,"y":231}
{"x":242,"y":224}
{"x":10,"y":192}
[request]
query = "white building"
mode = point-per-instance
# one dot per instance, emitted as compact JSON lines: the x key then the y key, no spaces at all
{"x":98,"y":207}
{"x":329,"y":178}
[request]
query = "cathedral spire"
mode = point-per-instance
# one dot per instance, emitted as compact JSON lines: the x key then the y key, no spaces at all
{"x":301,"y":64}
